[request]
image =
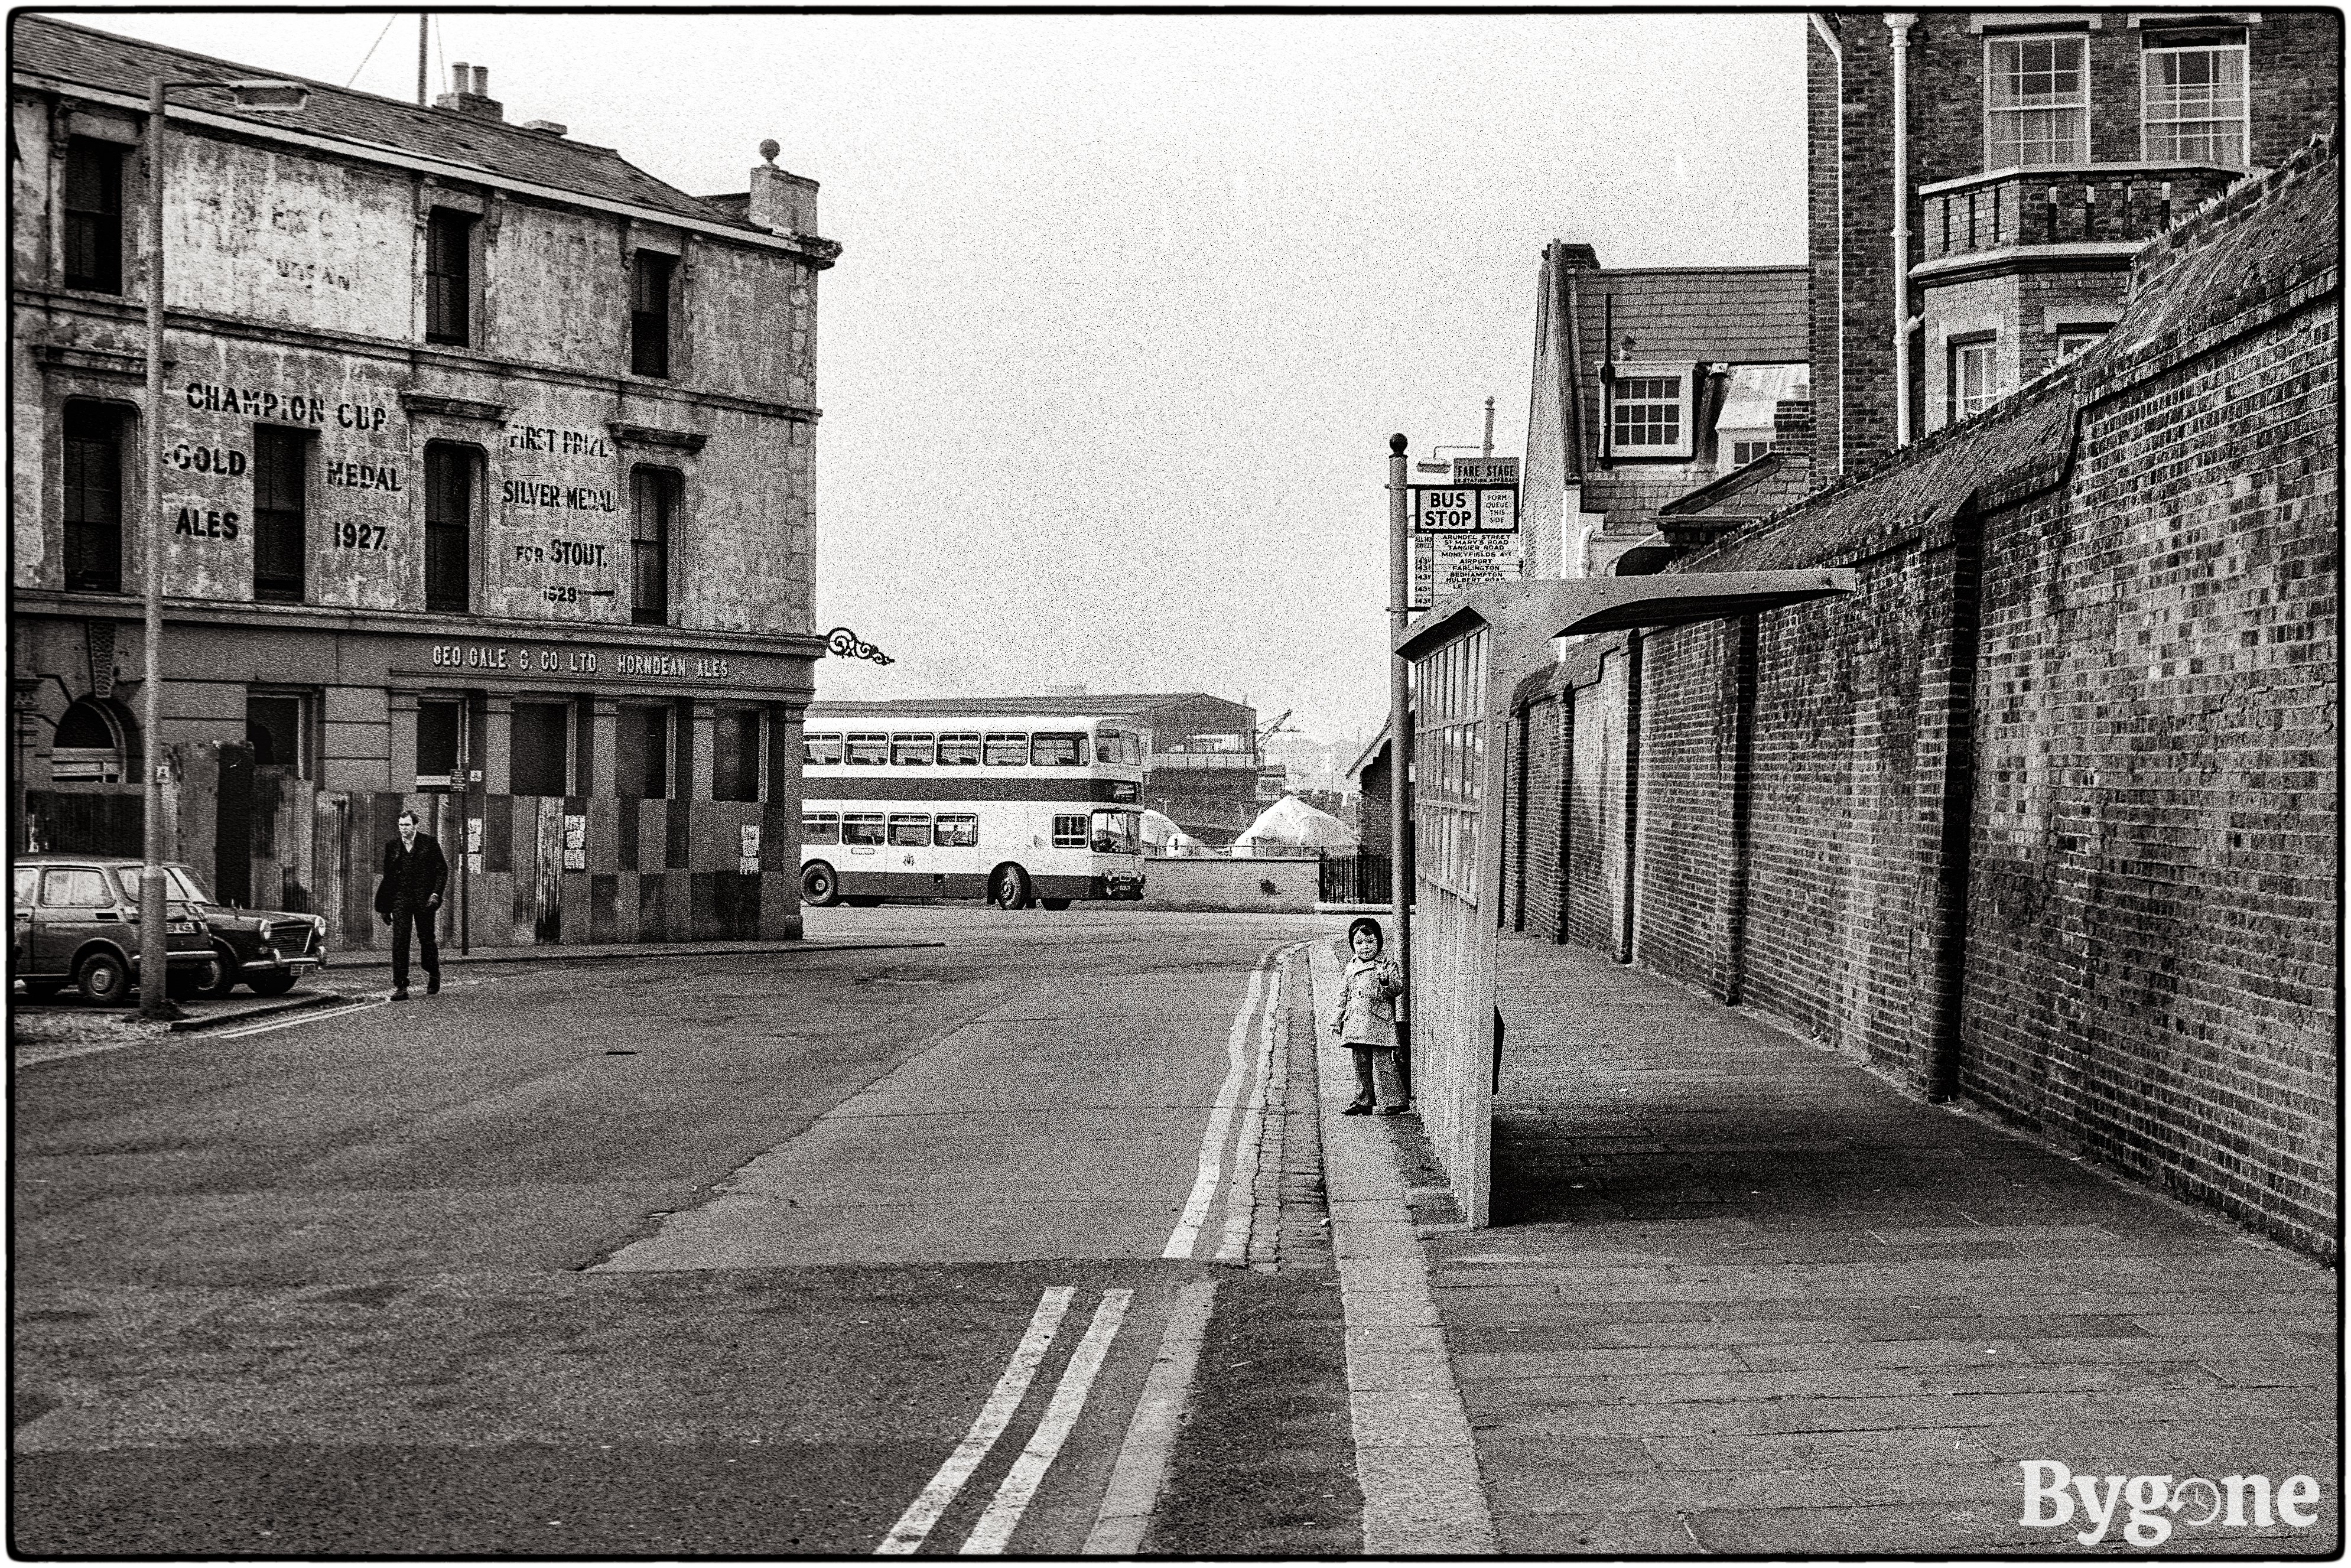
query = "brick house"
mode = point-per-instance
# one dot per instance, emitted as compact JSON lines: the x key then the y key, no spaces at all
{"x":488,"y":471}
{"x":1649,"y":383}
{"x":2035,"y":152}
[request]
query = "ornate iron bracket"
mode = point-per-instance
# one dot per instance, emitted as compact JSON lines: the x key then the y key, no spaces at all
{"x":843,"y":644}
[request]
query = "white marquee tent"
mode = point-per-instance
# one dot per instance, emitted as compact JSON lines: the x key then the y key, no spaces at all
{"x":1290,"y":824}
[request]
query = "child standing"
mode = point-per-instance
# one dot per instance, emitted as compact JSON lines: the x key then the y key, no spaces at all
{"x":1369,"y":990}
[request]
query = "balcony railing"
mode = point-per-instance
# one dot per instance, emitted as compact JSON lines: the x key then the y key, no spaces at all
{"x":2092,"y":204}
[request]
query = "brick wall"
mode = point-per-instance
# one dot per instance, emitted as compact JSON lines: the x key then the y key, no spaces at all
{"x":2043,"y":813}
{"x":2157,"y":799}
{"x":1593,"y":893}
{"x":1543,"y":726}
{"x":1689,"y":722}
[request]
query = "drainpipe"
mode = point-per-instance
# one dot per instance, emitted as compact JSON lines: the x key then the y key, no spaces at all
{"x":1897,"y":23}
{"x":1572,"y":304}
{"x":1836,"y":54}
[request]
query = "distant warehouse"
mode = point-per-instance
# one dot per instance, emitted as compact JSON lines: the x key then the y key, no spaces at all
{"x":488,"y":483}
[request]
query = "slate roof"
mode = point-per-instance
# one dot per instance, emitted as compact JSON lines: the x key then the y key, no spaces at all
{"x":1746,"y":315}
{"x":68,"y":53}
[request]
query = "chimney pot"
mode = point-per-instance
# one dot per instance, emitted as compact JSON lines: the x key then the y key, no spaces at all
{"x":461,"y":78}
{"x":481,"y":81}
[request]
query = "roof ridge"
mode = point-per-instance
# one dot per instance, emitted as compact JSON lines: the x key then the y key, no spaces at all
{"x":425,"y":119}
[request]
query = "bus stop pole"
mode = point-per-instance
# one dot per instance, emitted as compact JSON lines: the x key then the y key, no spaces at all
{"x":1399,"y":753}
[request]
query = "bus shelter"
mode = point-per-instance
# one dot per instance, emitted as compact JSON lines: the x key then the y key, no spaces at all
{"x":1467,"y":655}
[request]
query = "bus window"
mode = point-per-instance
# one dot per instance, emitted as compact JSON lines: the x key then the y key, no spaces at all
{"x":820,"y":827}
{"x":910,"y":833}
{"x":1068,"y":832}
{"x":1007,"y":750}
{"x":956,"y":832}
{"x":1122,"y":747}
{"x":912,"y":750}
{"x":959,"y":750}
{"x":1116,"y":834}
{"x":1058,"y":750}
{"x":820,"y":750}
{"x":868,"y":750}
{"x":861,"y":828}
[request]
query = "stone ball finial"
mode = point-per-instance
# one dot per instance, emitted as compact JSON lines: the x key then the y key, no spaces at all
{"x":769,"y":148}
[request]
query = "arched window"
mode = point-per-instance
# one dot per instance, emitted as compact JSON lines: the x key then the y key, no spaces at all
{"x":89,"y":746}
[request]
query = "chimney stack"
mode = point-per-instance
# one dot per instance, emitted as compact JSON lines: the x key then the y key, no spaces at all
{"x":781,"y":202}
{"x":471,"y":94}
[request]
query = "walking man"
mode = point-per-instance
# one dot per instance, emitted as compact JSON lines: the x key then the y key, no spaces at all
{"x":409,"y":897}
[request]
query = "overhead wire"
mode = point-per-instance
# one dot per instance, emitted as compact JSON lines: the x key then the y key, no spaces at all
{"x":372,"y":49}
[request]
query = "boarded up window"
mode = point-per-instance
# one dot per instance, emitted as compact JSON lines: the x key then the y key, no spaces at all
{"x":641,"y":754}
{"x":735,"y":764}
{"x":542,"y":749}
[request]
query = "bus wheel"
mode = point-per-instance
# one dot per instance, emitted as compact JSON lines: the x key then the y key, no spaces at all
{"x":1010,"y":888}
{"x":819,"y":889}
{"x":1055,"y":904}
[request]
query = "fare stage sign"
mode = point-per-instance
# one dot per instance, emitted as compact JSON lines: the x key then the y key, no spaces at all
{"x":1466,"y":533}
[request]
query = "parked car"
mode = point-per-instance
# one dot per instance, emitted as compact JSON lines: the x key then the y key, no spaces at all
{"x":265,"y":949}
{"x":74,"y":920}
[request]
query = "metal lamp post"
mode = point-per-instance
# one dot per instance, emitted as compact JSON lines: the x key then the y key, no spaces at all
{"x":268,"y":96}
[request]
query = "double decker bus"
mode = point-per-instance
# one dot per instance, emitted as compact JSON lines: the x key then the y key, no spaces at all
{"x":1017,"y":808}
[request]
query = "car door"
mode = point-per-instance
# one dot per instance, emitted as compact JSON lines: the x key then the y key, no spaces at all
{"x":77,"y":904}
{"x":24,"y":892}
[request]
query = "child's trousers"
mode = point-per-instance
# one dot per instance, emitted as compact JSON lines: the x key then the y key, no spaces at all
{"x":1376,"y":1070}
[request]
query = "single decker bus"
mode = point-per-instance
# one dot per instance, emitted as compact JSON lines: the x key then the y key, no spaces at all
{"x":1017,"y":808}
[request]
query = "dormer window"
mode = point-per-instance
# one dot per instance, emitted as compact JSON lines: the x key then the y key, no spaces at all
{"x":1650,"y":412}
{"x":2036,"y":102}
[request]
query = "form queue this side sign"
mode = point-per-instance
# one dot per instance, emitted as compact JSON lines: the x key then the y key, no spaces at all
{"x":1465,"y":533}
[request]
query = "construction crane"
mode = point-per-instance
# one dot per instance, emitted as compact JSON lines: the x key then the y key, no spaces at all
{"x":1278,"y":727}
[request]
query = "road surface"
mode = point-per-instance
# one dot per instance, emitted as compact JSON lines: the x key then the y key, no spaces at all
{"x":754,"y":1255}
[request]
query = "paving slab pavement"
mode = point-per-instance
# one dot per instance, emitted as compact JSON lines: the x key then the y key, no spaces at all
{"x":1743,"y":1296}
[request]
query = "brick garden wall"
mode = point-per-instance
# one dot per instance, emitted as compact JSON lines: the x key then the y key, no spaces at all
{"x":2043,"y":813}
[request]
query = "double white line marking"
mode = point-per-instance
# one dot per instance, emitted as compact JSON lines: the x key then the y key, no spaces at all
{"x":1264,"y":980}
{"x":993,"y":1533}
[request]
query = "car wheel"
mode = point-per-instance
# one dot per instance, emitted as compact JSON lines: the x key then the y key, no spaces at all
{"x":105,"y":979}
{"x":1055,"y":904}
{"x":224,"y":980}
{"x":272,"y":982}
{"x":1009,"y":888}
{"x":819,"y":889}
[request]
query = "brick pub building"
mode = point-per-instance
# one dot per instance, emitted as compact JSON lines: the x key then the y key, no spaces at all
{"x":488,"y":486}
{"x":2044,"y":818}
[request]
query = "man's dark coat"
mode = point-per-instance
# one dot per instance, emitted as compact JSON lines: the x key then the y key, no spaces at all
{"x":412,"y":876}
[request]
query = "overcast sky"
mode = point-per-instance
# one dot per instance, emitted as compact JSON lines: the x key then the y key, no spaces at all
{"x":1129,"y":306}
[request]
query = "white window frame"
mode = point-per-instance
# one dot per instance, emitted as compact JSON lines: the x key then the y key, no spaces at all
{"x":2147,"y":150}
{"x":1991,"y":111}
{"x":1958,"y":348}
{"x":2088,"y":338}
{"x":1685,"y":378}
